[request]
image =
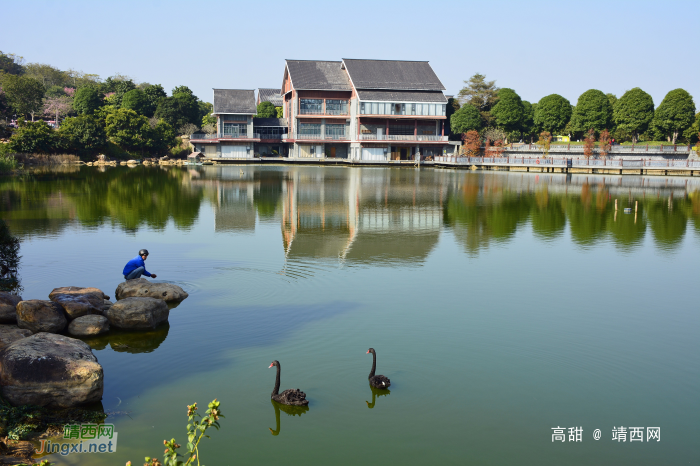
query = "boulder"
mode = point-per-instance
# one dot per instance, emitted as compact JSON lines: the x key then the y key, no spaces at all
{"x":106,"y":304}
{"x":137,"y":313}
{"x":41,"y":316}
{"x":11,"y":333}
{"x":8,"y":307}
{"x":88,"y":326}
{"x":140,"y":287}
{"x":50,"y":370}
{"x":77,"y":301}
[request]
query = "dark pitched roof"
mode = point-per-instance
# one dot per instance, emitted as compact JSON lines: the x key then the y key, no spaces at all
{"x":319,"y":75}
{"x":270,"y":95}
{"x":402,"y":96}
{"x":392,"y":74}
{"x":234,"y":101}
{"x":269,"y":122}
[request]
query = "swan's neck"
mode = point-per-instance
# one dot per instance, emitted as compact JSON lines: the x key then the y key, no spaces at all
{"x":276,"y":390}
{"x":374,"y":365}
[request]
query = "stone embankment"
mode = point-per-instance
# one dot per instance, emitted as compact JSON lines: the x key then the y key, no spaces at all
{"x":104,"y":162}
{"x":41,"y":365}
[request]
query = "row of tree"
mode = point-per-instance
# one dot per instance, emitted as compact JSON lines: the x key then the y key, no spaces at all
{"x":93,"y":114}
{"x":481,"y":105}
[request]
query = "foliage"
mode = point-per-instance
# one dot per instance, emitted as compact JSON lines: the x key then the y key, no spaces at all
{"x":209,"y":128}
{"x":23,"y":94}
{"x":11,"y":63}
{"x":182,"y":107}
{"x":691,"y":134}
{"x":4,"y":105}
{"x":208,"y":120}
{"x":675,"y":114}
{"x":84,"y":135}
{"x":633,"y":112}
{"x":196,"y":431}
{"x":279,"y":111}
{"x":527,"y":125}
{"x":205,"y":108}
{"x":127,"y":129}
{"x":266,"y":110}
{"x":612,"y":98}
{"x":472,"y":143}
{"x":55,"y":91}
{"x":604,"y":143}
{"x":187,"y":129}
{"x":481,"y":94}
{"x":589,"y":143}
{"x":33,"y":137}
{"x":153,"y":93}
{"x":58,"y":106}
{"x":452,"y":107}
{"x":544,"y":142}
{"x":508,"y":112}
{"x":592,"y":111}
{"x":494,"y":134}
{"x":87,"y":100}
{"x":465,"y":119}
{"x":45,"y":74}
{"x":553,"y":113}
{"x":137,"y":101}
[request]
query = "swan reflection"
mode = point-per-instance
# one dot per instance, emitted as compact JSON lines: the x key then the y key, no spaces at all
{"x":290,"y":410}
{"x":375,"y":393}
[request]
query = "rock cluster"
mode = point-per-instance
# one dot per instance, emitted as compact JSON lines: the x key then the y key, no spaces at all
{"x":8,"y":307}
{"x":141,"y":287}
{"x":138,"y":313}
{"x":77,"y":301}
{"x":38,"y":315}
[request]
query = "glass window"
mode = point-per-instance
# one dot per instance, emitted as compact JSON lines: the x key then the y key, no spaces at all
{"x":336,"y":107}
{"x":334,"y":130}
{"x":311,"y":106}
{"x":235,"y":117}
{"x":235,"y":129}
{"x":310,"y":129}
{"x":362,"y":108}
{"x":413,"y":109}
{"x":443,"y":110}
{"x":432,"y":109}
{"x":375,"y":108}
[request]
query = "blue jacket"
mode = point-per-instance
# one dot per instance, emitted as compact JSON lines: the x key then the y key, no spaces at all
{"x":134,"y":264}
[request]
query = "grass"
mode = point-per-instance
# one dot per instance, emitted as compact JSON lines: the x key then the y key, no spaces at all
{"x":8,"y":163}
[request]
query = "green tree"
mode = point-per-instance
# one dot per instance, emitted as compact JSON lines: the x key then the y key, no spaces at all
{"x":553,"y":113}
{"x":25,"y":95}
{"x":128,"y":129}
{"x":465,"y":119}
{"x":508,"y":112}
{"x":675,"y":114}
{"x":46,"y":74}
{"x":450,"y":109}
{"x":205,"y":108}
{"x":266,"y":110}
{"x":612,"y":98}
{"x":690,"y":134}
{"x":137,"y":101}
{"x":527,"y":126}
{"x":11,"y":63}
{"x":87,"y":100}
{"x":633,"y":112}
{"x":280,"y":112}
{"x":160,"y":138}
{"x":83,"y":135}
{"x":153,"y":93}
{"x":481,"y":94}
{"x":33,"y":138}
{"x":592,"y":111}
{"x":181,"y":108}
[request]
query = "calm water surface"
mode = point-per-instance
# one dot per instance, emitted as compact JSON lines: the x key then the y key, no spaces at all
{"x":501,"y":305}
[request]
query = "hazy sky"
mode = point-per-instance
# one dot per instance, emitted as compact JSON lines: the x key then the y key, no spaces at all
{"x":535,"y":47}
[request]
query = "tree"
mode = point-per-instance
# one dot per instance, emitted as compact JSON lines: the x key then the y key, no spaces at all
{"x":481,"y":94}
{"x":494,"y":134}
{"x":137,"y":101}
{"x":508,"y":112}
{"x":205,"y":108}
{"x":592,"y":111}
{"x":33,"y":138}
{"x":187,"y":129}
{"x":46,"y":74}
{"x":160,"y":138}
{"x":450,"y":109}
{"x":58,"y":106}
{"x":465,"y":119}
{"x":179,"y":109}
{"x":604,"y":143}
{"x":84,"y":135}
{"x":209,"y":128}
{"x":545,"y":142}
{"x":675,"y":114}
{"x":612,"y":98}
{"x":589,"y":143}
{"x":128,"y":129}
{"x":633,"y":112}
{"x":553,"y":113}
{"x":472,"y":143}
{"x":87,"y":100}
{"x":266,"y":110}
{"x":153,"y":93}
{"x":4,"y":105}
{"x":690,"y":134}
{"x":11,"y":63}
{"x":280,"y":112}
{"x":23,"y":94}
{"x":527,"y":126}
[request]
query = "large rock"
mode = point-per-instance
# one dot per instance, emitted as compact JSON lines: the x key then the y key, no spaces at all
{"x":88,"y":325}
{"x":41,"y":316}
{"x":77,"y":301}
{"x":141,"y":287}
{"x":138,"y":313}
{"x":8,"y":307}
{"x":11,"y":333}
{"x":50,"y":370}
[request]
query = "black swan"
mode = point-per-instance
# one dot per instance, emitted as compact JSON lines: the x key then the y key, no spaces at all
{"x":377,"y":381}
{"x":290,"y":410}
{"x":293,"y":396}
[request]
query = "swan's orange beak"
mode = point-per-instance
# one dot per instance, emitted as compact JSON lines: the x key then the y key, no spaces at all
{"x":367,"y":352}
{"x":271,"y":365}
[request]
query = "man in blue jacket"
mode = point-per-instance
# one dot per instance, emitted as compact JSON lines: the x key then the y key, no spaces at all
{"x":137,"y":267}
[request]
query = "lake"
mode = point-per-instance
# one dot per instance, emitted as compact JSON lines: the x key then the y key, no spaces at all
{"x":501,"y":305}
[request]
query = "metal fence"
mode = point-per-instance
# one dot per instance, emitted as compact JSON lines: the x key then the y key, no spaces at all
{"x":224,"y":136}
{"x":612,"y":150}
{"x":573,"y":162}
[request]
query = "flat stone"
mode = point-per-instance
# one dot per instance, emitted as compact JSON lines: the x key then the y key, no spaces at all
{"x":138,"y":313}
{"x":77,"y":301}
{"x":11,"y":333}
{"x":88,"y":326}
{"x":41,"y":316}
{"x":141,"y":287}
{"x":8,"y":307}
{"x":50,"y":370}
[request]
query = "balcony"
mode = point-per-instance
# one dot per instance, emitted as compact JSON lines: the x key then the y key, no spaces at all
{"x":403,"y":137}
{"x":223,"y":136}
{"x":320,"y":137}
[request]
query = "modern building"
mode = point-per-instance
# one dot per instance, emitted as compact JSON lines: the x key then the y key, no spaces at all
{"x":364,"y":110}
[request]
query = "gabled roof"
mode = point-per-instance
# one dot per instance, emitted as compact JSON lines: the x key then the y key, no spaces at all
{"x":270,"y":122}
{"x":318,"y":75}
{"x":273,"y":96}
{"x":402,"y":96}
{"x":234,"y":101}
{"x":392,"y":74}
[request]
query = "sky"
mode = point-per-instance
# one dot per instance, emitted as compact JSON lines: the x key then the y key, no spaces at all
{"x":535,"y":47}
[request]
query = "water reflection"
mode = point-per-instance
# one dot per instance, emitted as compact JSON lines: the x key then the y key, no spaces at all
{"x":129,"y":341}
{"x":375,"y":393}
{"x":289,"y":410}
